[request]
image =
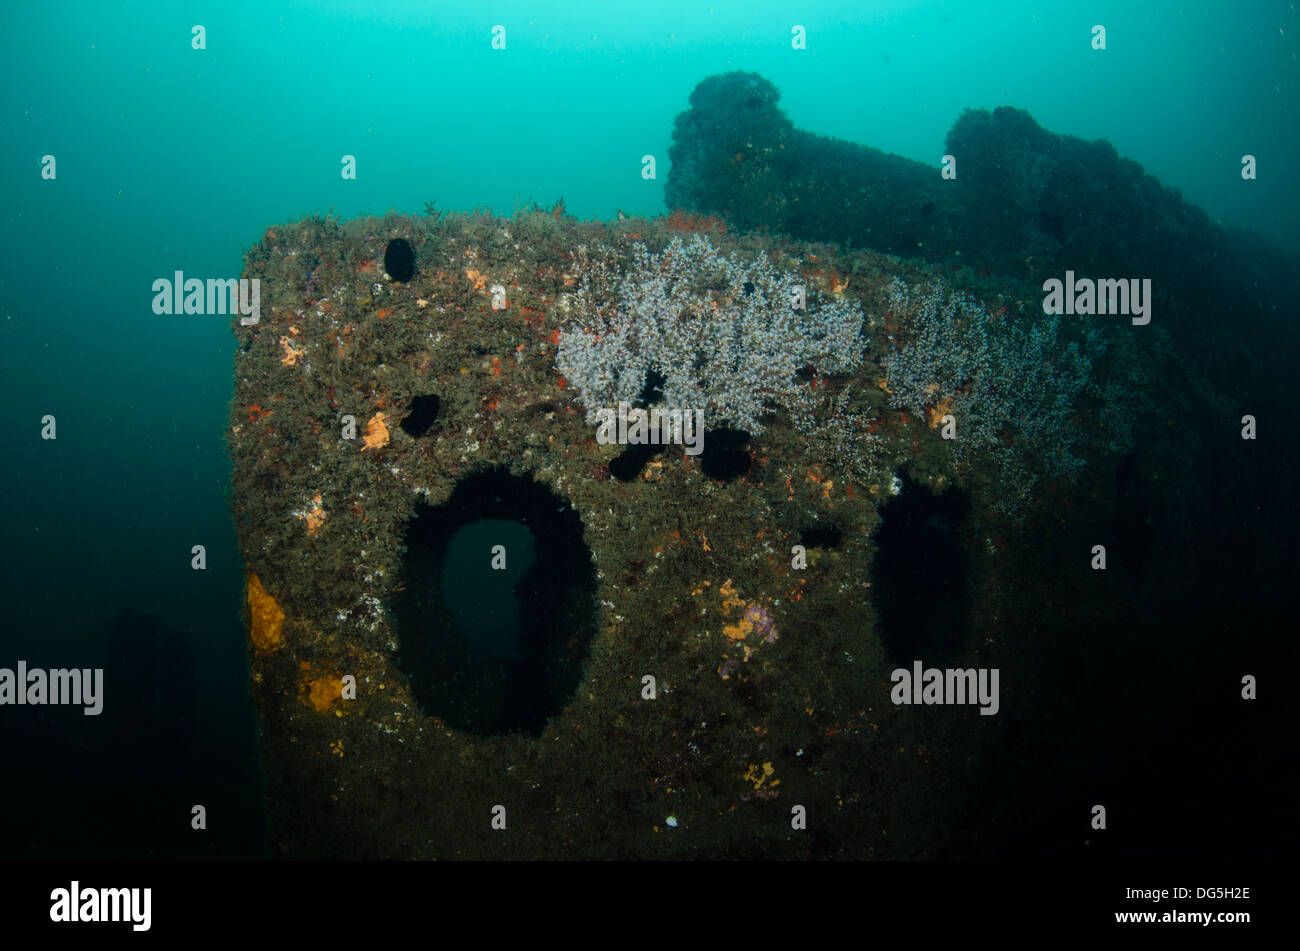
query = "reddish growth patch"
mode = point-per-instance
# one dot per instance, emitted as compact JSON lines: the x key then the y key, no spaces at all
{"x":690,"y":221}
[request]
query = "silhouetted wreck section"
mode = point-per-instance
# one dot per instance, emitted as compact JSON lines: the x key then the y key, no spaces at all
{"x":737,"y":154}
{"x":1026,"y":203}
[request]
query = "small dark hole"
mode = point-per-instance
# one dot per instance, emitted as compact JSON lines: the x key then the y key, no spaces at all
{"x":724,"y":456}
{"x":424,"y":410}
{"x":399,"y":260}
{"x":653,"y":390}
{"x":820,"y":537}
{"x":628,"y":464}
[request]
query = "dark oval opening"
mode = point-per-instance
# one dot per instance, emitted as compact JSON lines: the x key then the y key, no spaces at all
{"x":919,"y":575}
{"x":399,"y":260}
{"x":424,"y":410}
{"x":498,"y":607}
{"x":724,"y":456}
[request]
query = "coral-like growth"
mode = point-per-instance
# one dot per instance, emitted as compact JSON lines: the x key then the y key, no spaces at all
{"x":1011,"y":389}
{"x":725,"y":335}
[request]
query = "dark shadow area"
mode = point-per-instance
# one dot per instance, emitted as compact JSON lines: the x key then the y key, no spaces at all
{"x":123,"y":784}
{"x":495,"y":685}
{"x":920,"y":586}
{"x":825,"y":536}
{"x":1132,"y":526}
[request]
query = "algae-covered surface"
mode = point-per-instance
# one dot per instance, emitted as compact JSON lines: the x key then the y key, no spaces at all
{"x":729,"y":667}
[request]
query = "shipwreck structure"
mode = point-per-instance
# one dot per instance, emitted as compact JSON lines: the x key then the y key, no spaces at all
{"x":905,"y":462}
